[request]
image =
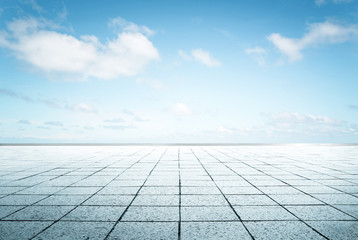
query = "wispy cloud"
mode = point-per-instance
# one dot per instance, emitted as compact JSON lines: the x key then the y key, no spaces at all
{"x":117,"y":127}
{"x":180,"y":109}
{"x":54,"y":123}
{"x":201,"y":56}
{"x":50,"y":102}
{"x":152,"y":82}
{"x":318,"y":33}
{"x":23,"y":121}
{"x":205,"y":57}
{"x":323,"y":2}
{"x":10,"y":93}
{"x":353,"y":107}
{"x":36,"y":42}
{"x":35,"y":6}
{"x":258,"y":54}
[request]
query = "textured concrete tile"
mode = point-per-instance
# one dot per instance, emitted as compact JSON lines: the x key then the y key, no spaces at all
{"x":342,"y":230}
{"x":6,"y":210}
{"x":151,"y":214}
{"x":10,"y":190}
{"x":213,"y":230}
{"x":337,"y":198}
{"x":159,"y":190}
{"x":281,"y":230}
{"x":95,"y":213}
{"x":79,"y":190}
{"x":40,"y":190}
{"x":119,"y":190}
{"x":250,"y":200}
{"x":240,"y":190}
{"x":109,"y":200}
{"x":207,"y":214}
{"x":61,"y":200}
{"x":21,"y":199}
{"x":279,"y":190}
{"x":156,"y":200}
{"x":145,"y":230}
{"x":297,"y":199}
{"x":11,"y":230}
{"x":350,"y":209}
{"x":203,"y":200}
{"x":40,"y":213}
{"x":76,"y":230}
{"x":318,"y":213}
{"x":200,"y":190}
{"x":317,"y":189}
{"x":263,"y":213}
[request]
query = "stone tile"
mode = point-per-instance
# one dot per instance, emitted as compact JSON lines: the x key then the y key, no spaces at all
{"x":145,"y":230}
{"x":159,"y":190}
{"x":200,"y":190}
{"x":203,"y":200}
{"x":279,"y":190}
{"x":109,"y":200}
{"x":349,"y":209}
{"x":40,"y":190}
{"x":240,"y":190}
{"x":95,"y":213}
{"x":21,"y":199}
{"x":213,"y":231}
{"x":281,"y":230}
{"x":10,"y":190}
{"x":250,"y":200}
{"x":342,"y":230}
{"x":297,"y":199}
{"x":6,"y":210}
{"x":119,"y":190}
{"x":263,"y":213}
{"x":208,"y":213}
{"x":76,"y":230}
{"x":40,"y":213}
{"x":135,"y":213}
{"x":337,"y":198}
{"x":64,"y":200}
{"x":156,"y":200}
{"x":79,"y":190}
{"x":318,"y":213}
{"x":15,"y":230}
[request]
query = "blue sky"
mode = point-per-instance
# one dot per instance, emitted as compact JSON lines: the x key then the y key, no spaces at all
{"x":179,"y":71}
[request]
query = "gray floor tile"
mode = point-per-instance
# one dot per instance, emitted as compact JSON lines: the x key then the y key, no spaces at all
{"x":76,"y":230}
{"x":342,"y":230}
{"x":213,"y":231}
{"x":263,"y":213}
{"x":203,"y":200}
{"x":208,"y":213}
{"x":250,"y":200}
{"x":15,"y":230}
{"x":40,"y":213}
{"x":282,"y":230}
{"x":109,"y":200}
{"x":145,"y":230}
{"x":95,"y":213}
{"x":137,"y":213}
{"x":318,"y":213}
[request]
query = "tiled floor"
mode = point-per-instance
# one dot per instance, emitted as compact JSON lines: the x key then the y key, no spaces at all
{"x":179,"y":192}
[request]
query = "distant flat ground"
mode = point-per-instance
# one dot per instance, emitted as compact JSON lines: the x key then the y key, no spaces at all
{"x":179,"y":192}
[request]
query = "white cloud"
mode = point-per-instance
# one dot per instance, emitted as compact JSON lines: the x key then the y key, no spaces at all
{"x":204,"y":57}
{"x":225,"y":130}
{"x":81,"y":107}
{"x":323,"y":2}
{"x":201,"y":56}
{"x":36,"y":42}
{"x":318,"y":33}
{"x":257,"y":54}
{"x":180,"y":109}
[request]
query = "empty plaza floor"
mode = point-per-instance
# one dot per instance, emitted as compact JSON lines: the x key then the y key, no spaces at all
{"x":179,"y":192}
